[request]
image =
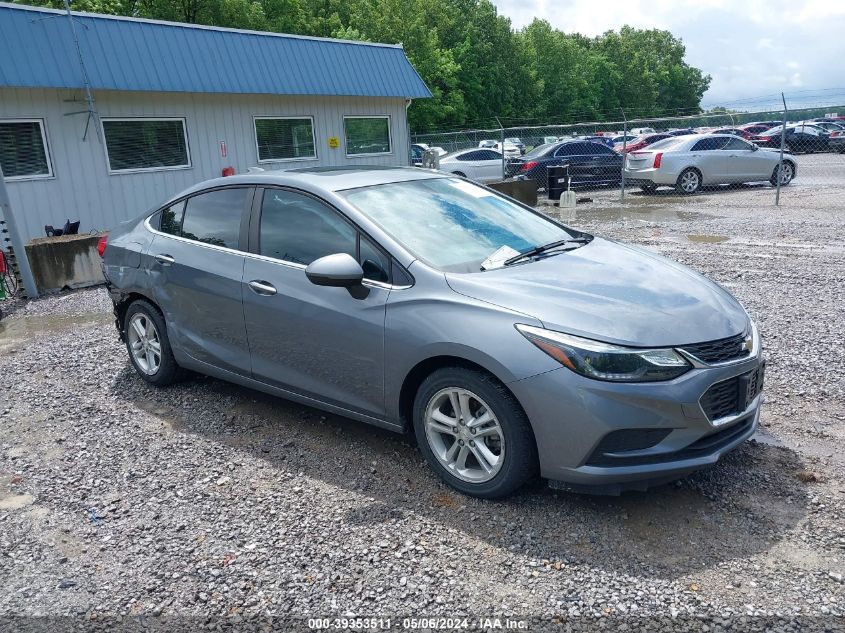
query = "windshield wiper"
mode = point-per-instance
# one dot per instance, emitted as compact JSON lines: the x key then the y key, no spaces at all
{"x":539,"y":250}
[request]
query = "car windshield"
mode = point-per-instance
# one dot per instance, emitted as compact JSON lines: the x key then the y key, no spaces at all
{"x":451,"y":224}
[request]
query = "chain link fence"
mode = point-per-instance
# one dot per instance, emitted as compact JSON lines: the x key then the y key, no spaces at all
{"x":701,"y":154}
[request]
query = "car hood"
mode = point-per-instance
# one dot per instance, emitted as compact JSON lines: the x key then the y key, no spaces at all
{"x":612,"y":292}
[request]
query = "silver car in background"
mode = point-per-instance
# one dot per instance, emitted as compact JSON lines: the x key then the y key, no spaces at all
{"x":479,"y":164}
{"x":690,"y":162}
{"x":509,"y":343}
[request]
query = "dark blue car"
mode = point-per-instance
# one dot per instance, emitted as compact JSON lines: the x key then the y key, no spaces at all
{"x":591,"y":164}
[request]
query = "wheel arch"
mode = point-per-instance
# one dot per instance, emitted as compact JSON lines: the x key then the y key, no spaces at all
{"x":121,"y":305}
{"x":424,"y":368}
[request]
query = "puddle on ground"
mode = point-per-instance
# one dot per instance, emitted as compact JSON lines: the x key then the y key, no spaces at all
{"x":708,"y":239}
{"x":16,"y":330}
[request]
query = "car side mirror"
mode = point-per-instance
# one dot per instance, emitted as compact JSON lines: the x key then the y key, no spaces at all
{"x":339,"y":271}
{"x":754,"y":148}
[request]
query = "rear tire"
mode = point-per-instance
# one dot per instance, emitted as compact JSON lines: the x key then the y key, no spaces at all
{"x":489,"y":429}
{"x":689,"y":182}
{"x":149,"y":348}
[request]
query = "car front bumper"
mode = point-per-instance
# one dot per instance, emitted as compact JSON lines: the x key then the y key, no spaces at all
{"x":571,"y":416}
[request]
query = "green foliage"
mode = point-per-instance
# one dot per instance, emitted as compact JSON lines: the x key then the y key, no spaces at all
{"x":475,"y":64}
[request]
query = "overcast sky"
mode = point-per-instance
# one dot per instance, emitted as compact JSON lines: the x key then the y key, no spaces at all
{"x":751,"y":48}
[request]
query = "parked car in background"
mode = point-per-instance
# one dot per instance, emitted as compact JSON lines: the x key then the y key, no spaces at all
{"x":828,"y":126}
{"x":478,"y":163}
{"x":836,"y":141}
{"x":682,"y":132}
{"x":736,"y":131}
{"x":755,"y":128}
{"x":511,"y":345}
{"x":548,"y":139}
{"x":510,"y":151}
{"x":620,"y":138}
{"x":595,"y":138}
{"x":489,"y":142}
{"x":516,"y":142}
{"x":803,"y":138}
{"x":640,"y":131}
{"x":641,"y":142}
{"x":591,"y":164}
{"x":688,"y":163}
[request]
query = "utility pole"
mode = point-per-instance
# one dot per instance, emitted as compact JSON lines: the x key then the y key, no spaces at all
{"x":782,"y":143}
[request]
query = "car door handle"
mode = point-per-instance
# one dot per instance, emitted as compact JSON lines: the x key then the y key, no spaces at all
{"x":164,"y":259}
{"x":262,"y":287}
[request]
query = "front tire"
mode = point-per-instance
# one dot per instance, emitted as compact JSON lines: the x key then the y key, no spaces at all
{"x":474,"y":433}
{"x":149,"y":348}
{"x":787,"y":173}
{"x":689,"y":182}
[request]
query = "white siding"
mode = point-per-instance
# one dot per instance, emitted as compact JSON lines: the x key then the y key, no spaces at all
{"x":83,"y":189}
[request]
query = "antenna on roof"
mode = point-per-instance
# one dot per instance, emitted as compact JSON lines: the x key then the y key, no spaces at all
{"x":91,"y":111}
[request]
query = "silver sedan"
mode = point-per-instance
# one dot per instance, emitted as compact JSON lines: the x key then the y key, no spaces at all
{"x":689,"y":162}
{"x":508,"y":343}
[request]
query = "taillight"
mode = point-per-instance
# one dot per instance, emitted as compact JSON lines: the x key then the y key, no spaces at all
{"x":531,"y":164}
{"x":657,"y":158}
{"x":101,"y":245}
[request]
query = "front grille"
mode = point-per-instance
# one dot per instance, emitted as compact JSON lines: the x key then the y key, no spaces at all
{"x":625,"y":440}
{"x":722,"y":399}
{"x":721,"y":351}
{"x":733,"y":395}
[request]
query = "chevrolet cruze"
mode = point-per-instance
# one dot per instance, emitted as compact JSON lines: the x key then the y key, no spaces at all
{"x":510,"y":344}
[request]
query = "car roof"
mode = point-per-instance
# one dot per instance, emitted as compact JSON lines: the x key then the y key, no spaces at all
{"x":325,"y":178}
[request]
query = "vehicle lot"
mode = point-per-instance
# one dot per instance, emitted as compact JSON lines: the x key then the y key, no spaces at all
{"x":205,"y":498}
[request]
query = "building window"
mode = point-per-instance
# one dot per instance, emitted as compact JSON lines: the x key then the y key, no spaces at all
{"x":146,"y":144}
{"x":367,"y":135}
{"x":284,"y":138}
{"x":23,"y":149}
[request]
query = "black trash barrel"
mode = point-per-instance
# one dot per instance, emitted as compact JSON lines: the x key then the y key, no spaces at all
{"x":558,"y":181}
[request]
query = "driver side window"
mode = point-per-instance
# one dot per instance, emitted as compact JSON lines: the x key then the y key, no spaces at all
{"x":297,"y":228}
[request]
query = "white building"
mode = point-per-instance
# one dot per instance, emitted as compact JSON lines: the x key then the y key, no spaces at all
{"x":174,"y":104}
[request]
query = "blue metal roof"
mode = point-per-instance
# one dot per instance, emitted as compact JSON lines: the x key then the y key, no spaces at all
{"x":37,"y":51}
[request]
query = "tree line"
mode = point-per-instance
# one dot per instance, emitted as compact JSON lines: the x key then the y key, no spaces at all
{"x":476,"y":65}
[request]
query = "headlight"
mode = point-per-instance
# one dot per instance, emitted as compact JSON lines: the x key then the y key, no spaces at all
{"x":604,"y":361}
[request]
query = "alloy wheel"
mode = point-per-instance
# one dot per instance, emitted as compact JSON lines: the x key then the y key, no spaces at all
{"x":785,"y":173}
{"x":464,"y":435}
{"x":690,"y":181}
{"x":144,"y":343}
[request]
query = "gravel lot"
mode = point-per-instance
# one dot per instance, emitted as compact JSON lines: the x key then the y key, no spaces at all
{"x":206,"y":499}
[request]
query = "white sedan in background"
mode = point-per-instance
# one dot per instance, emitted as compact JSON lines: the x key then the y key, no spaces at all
{"x":689,"y":162}
{"x":480,"y":164}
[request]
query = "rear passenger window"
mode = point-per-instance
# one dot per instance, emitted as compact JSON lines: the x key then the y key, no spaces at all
{"x":171,"y":219}
{"x":299,"y":229}
{"x":215,"y":217}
